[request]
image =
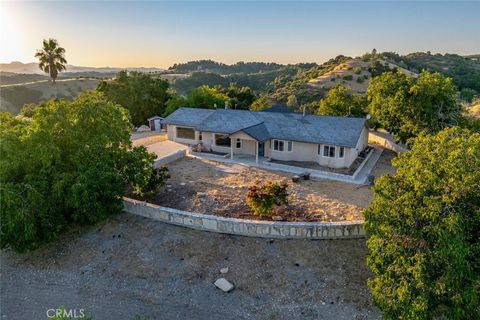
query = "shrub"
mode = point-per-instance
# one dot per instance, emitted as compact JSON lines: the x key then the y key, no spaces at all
{"x":332,"y":79}
{"x":348,"y":77}
{"x":360,"y":80}
{"x":154,"y":182}
{"x":357,"y":70}
{"x":263,"y":196}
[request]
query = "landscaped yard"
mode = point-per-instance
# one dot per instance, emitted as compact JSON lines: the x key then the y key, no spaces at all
{"x":217,"y":188}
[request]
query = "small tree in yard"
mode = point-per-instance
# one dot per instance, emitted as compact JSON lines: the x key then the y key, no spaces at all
{"x":263,"y":196}
{"x":424,"y":230}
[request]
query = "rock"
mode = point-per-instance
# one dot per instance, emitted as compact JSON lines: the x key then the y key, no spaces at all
{"x":182,"y":183}
{"x":295,"y":178}
{"x":277,"y":218}
{"x":224,"y":270}
{"x":224,"y":285}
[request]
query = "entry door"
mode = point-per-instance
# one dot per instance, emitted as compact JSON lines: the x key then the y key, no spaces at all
{"x":261,"y":149}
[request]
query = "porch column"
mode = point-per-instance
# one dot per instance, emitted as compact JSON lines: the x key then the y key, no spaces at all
{"x":231,"y":149}
{"x":256,"y":151}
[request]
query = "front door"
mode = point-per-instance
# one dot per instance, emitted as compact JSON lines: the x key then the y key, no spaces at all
{"x":261,"y":149}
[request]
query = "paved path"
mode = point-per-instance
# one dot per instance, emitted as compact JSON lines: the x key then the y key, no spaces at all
{"x":250,"y":161}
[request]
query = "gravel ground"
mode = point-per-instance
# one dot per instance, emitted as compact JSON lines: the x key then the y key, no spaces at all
{"x":130,"y":267}
{"x":211,"y":187}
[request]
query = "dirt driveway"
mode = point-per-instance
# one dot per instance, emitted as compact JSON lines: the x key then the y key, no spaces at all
{"x":134,"y":268}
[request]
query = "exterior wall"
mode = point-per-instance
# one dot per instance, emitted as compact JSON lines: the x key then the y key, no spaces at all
{"x":248,"y":144}
{"x":172,"y":135}
{"x":301,"y":151}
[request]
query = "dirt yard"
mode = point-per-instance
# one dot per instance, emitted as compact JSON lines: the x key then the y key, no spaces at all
{"x":217,"y":188}
{"x":131,"y":267}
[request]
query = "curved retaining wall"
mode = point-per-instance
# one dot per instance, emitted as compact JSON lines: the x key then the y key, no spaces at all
{"x":250,"y":228}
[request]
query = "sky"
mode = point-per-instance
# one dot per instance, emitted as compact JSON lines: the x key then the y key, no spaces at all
{"x":161,"y":33}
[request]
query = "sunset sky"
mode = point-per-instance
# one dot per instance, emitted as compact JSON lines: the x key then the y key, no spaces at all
{"x":132,"y":34}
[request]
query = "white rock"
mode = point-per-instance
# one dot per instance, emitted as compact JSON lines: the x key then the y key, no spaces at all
{"x":224,"y":285}
{"x":182,"y":183}
{"x":224,"y":270}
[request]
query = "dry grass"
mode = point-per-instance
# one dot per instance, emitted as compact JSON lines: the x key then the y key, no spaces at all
{"x":348,"y":69}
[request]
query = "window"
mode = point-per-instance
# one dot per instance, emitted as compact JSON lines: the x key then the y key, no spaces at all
{"x":222,"y":140}
{"x":289,"y":146}
{"x":200,"y":136}
{"x":329,"y":151}
{"x":341,"y":152}
{"x":238,"y":144}
{"x":185,"y":133}
{"x":278,"y":145}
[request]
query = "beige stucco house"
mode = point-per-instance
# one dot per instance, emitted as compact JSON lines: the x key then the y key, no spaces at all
{"x":329,"y":141}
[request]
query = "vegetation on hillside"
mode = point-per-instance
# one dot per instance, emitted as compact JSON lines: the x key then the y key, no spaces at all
{"x":221,"y":68}
{"x":424,"y":230}
{"x":142,"y":95}
{"x":69,"y":163}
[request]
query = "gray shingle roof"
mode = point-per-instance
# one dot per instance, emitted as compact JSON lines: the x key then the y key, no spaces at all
{"x":342,"y":131}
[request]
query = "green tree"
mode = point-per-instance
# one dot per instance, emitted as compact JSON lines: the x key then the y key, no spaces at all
{"x":292,"y":101}
{"x":142,"y":95}
{"x":69,"y":163}
{"x":407,"y":107}
{"x":340,"y":102}
{"x":207,"y":97}
{"x":423,"y":230}
{"x":51,"y":58}
{"x":239,"y":98}
{"x":262,"y":102}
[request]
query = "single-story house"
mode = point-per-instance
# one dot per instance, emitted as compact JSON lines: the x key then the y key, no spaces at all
{"x":330,"y":141}
{"x":155,"y":123}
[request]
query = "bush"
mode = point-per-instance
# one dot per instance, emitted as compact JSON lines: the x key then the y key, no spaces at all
{"x":263,"y":196}
{"x":360,"y":80}
{"x":423,"y":227}
{"x":357,"y":70}
{"x":348,"y":77}
{"x":70,"y":163}
{"x":155,"y":181}
{"x":332,"y":79}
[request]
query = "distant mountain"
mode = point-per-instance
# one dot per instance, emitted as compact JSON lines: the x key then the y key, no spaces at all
{"x":32,"y":68}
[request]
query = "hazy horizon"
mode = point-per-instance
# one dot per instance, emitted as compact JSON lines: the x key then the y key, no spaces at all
{"x":159,"y":34}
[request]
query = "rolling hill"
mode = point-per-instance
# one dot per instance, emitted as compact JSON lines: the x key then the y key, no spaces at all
{"x":354,"y":73}
{"x":13,"y":97}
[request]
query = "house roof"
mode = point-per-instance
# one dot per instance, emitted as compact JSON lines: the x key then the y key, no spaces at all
{"x":262,"y":126}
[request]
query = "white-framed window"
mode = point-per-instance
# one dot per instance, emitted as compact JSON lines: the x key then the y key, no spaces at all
{"x":289,"y":146}
{"x":222,"y":140}
{"x":238,"y":143}
{"x":200,"y":136}
{"x":328,"y":151}
{"x":282,"y":145}
{"x":185,"y":133}
{"x":341,"y":152}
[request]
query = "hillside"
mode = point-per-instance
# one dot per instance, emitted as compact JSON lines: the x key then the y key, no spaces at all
{"x":354,"y":73}
{"x":13,"y":97}
{"x":32,"y":67}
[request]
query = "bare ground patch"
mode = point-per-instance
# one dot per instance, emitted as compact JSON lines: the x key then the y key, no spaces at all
{"x":216,"y":188}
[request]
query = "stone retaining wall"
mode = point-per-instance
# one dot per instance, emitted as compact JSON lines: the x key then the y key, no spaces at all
{"x":169,"y":158}
{"x":250,"y":228}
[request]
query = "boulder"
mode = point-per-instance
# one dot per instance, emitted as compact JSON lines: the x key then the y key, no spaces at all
{"x":224,"y":285}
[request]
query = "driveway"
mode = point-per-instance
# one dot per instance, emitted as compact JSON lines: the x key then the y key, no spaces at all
{"x":165,"y":148}
{"x":132,"y":267}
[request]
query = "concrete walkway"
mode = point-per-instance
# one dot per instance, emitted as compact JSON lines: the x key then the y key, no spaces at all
{"x":359,"y":178}
{"x":165,"y":148}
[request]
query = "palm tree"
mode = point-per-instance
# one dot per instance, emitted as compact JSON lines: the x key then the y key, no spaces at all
{"x":51,"y":58}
